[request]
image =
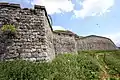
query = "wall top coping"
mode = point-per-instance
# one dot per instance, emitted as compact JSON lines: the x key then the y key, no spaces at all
{"x":14,"y":5}
{"x":97,"y":37}
{"x":65,"y":32}
{"x":17,"y":6}
{"x":94,"y":36}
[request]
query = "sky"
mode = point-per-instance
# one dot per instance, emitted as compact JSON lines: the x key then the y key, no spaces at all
{"x":83,"y":17}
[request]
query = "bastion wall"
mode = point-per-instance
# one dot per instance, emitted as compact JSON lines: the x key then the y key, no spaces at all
{"x":36,"y":39}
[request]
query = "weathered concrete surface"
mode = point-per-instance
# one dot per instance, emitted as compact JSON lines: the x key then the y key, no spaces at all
{"x":35,"y":38}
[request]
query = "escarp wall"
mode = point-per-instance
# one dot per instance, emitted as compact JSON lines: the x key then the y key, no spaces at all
{"x":64,"y":43}
{"x":35,"y":39}
{"x":70,"y":43}
{"x":94,"y":42}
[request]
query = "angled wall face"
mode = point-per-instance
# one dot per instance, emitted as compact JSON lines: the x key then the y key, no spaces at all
{"x":33,"y":41}
{"x":64,"y":43}
{"x":95,"y":43}
{"x":50,"y":51}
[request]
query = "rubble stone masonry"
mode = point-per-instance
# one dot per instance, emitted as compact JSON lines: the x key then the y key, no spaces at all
{"x":36,"y":39}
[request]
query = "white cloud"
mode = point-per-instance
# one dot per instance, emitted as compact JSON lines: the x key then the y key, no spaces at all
{"x":94,"y":8}
{"x":61,"y":28}
{"x":58,"y":28}
{"x":55,"y":6}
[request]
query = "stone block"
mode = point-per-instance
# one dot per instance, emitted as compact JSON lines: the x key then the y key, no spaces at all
{"x":4,"y":4}
{"x":25,"y":55}
{"x":39,"y":7}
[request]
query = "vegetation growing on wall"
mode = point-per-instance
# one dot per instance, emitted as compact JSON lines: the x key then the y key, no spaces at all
{"x":7,"y":33}
{"x":59,"y":30}
{"x":10,"y":30}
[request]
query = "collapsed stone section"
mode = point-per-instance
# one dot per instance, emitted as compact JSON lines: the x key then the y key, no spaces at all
{"x":34,"y":35}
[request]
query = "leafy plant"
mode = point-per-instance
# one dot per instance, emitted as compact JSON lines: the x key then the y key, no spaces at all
{"x":10,"y":28}
{"x":64,"y":67}
{"x":9,"y":31}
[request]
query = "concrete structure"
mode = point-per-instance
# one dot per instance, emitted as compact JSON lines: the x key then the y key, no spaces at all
{"x":36,"y":39}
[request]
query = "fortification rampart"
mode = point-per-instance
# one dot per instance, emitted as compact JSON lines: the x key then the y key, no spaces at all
{"x":94,"y":42}
{"x":35,"y":38}
{"x":34,"y":33}
{"x":64,"y":43}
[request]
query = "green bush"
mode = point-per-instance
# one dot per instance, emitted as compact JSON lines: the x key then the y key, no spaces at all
{"x":74,"y":67}
{"x":23,"y":70}
{"x":113,"y":62}
{"x":10,"y":28}
{"x":64,"y":67}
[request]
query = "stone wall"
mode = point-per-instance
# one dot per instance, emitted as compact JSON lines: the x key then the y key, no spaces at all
{"x":64,"y":43}
{"x":95,"y":43}
{"x":34,"y":35}
{"x":49,"y":38}
{"x":35,"y":39}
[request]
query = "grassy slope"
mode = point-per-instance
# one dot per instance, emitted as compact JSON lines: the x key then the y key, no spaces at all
{"x":87,"y":65}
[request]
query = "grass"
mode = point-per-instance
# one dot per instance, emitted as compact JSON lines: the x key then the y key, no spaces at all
{"x":87,"y":65}
{"x":60,"y":31}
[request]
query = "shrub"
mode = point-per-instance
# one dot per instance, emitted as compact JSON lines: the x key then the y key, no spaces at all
{"x":64,"y":67}
{"x":10,"y":28}
{"x":8,"y":31}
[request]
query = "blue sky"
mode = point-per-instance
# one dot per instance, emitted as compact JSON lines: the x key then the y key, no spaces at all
{"x":83,"y":17}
